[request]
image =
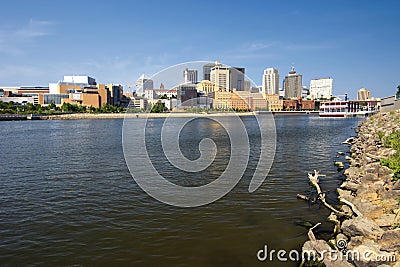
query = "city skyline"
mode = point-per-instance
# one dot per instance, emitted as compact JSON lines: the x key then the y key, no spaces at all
{"x":351,"y":42}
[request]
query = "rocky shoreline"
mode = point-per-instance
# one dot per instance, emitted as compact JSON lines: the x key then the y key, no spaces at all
{"x":367,"y":227}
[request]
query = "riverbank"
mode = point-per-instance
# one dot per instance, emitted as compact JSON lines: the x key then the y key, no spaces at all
{"x":82,"y":116}
{"x":369,"y":222}
{"x":92,"y":116}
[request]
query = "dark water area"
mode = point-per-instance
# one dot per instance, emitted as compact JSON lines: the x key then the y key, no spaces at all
{"x":67,"y":197}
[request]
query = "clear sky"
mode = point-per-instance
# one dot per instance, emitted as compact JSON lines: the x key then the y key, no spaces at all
{"x":357,"y":43}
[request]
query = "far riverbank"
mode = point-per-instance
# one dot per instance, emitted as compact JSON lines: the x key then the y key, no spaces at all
{"x":82,"y":116}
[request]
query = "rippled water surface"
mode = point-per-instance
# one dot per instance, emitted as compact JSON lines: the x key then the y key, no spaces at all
{"x":67,"y":197}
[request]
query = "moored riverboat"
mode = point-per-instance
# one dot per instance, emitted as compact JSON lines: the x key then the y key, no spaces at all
{"x":348,"y":108}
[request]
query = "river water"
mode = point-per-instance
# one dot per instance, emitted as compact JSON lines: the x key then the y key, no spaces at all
{"x":67,"y":197}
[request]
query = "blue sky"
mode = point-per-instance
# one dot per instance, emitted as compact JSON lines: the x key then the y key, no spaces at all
{"x":354,"y":42}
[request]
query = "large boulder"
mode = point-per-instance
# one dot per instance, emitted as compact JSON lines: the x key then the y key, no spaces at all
{"x":362,"y":226}
{"x":391,"y":241}
{"x":387,"y":220}
{"x":367,"y":208}
{"x":370,"y":255}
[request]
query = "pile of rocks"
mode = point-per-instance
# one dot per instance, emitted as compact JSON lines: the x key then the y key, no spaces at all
{"x":371,"y":227}
{"x":370,"y":187}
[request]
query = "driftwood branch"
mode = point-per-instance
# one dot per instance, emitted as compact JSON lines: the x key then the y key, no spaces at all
{"x":313,"y":178}
{"x":351,"y":205}
{"x":311,"y":235}
{"x":333,"y":218}
{"x":320,"y":247}
{"x":303,"y":197}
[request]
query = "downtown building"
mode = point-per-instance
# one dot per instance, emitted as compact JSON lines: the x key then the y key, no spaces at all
{"x":116,"y":93}
{"x":190,"y":76}
{"x":270,"y":82}
{"x":236,"y":78}
{"x":144,"y":82}
{"x":206,"y":87}
{"x":220,"y":76}
{"x":81,"y":90}
{"x":207,"y":70}
{"x":72,"y":89}
{"x":293,"y":84}
{"x":228,"y":79}
{"x":321,"y":88}
{"x":363,"y":94}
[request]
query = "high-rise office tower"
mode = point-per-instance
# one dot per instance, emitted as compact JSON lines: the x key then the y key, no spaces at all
{"x":236,"y":79}
{"x":270,"y":82}
{"x":293,"y":84}
{"x":207,"y":70}
{"x":220,"y":76}
{"x":190,"y":76}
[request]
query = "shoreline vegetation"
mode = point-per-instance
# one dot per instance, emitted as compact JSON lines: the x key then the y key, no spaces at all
{"x":368,"y":222}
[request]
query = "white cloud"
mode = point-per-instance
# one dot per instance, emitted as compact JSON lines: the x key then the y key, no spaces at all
{"x":13,"y":39}
{"x":297,"y":47}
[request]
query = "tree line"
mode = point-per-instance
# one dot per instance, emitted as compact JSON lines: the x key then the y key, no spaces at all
{"x":29,"y":108}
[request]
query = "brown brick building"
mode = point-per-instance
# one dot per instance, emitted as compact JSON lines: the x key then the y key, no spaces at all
{"x":298,"y":104}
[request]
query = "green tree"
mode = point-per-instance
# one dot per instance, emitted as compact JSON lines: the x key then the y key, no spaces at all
{"x":158,"y":108}
{"x":393,"y":162}
{"x":92,"y":109}
{"x":67,"y":107}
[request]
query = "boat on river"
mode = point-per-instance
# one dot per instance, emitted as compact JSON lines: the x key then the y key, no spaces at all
{"x":348,"y":108}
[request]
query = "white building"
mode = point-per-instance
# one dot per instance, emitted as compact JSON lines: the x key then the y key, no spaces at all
{"x":281,"y":92}
{"x":270,"y":81}
{"x":76,"y":80}
{"x":144,"y":82}
{"x":305,"y":92}
{"x":170,"y":103}
{"x":190,"y":76}
{"x":79,"y":79}
{"x":159,"y":93}
{"x":138,"y":103}
{"x":150,"y":94}
{"x":321,"y":88}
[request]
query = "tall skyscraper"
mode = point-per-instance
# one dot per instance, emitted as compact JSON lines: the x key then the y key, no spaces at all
{"x":293,"y":84}
{"x":363,"y":94}
{"x":236,"y":79}
{"x":116,"y":93}
{"x":144,"y":82}
{"x":220,"y":76}
{"x":270,"y":82}
{"x":190,"y":76}
{"x":207,"y":70}
{"x":321,"y":88}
